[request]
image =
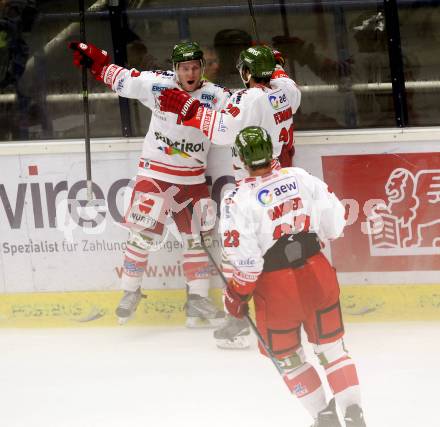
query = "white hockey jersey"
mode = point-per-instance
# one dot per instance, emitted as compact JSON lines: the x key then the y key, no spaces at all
{"x":261,"y":210}
{"x":170,"y":152}
{"x":271,"y":108}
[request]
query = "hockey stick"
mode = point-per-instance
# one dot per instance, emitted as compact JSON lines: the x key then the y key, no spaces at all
{"x":85,"y":93}
{"x":250,"y":321}
{"x":252,"y":325}
{"x":254,"y":22}
{"x":284,"y":18}
{"x":287,"y":35}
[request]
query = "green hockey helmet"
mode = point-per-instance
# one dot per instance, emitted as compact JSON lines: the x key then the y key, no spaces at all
{"x":186,"y":51}
{"x":254,"y":145}
{"x":259,"y":60}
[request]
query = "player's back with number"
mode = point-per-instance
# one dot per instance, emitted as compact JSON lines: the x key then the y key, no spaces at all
{"x":283,"y":203}
{"x":269,"y":108}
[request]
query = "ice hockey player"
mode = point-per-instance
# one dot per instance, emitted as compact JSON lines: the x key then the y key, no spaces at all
{"x":269,"y":100}
{"x":171,"y":174}
{"x":272,"y":225}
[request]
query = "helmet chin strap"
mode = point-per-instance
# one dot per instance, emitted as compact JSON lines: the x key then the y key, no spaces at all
{"x":245,"y":81}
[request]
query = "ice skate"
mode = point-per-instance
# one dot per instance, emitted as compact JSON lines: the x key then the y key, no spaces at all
{"x":233,"y":334}
{"x":328,"y":416}
{"x":202,"y":313}
{"x":354,"y":417}
{"x":128,"y":305}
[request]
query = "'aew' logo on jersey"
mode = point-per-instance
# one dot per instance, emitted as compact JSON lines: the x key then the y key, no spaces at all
{"x":277,"y":191}
{"x":409,"y":223}
{"x":278,"y":100}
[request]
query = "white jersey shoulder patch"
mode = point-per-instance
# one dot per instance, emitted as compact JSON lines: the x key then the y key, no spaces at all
{"x":278,"y":100}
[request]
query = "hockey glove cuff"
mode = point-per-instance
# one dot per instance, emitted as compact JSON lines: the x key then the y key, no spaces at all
{"x":286,"y":156}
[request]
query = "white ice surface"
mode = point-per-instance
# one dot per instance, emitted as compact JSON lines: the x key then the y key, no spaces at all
{"x":174,"y":377}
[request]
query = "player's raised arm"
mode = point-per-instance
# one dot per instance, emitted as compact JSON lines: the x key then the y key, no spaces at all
{"x":127,"y":83}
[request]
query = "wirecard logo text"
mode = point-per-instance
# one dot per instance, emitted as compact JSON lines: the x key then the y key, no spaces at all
{"x":64,"y":206}
{"x":48,"y":199}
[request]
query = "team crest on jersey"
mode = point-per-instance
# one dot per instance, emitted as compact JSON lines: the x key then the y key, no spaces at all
{"x":277,"y":191}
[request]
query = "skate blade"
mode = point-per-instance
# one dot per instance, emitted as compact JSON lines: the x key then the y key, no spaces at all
{"x":199,"y":323}
{"x":237,"y":343}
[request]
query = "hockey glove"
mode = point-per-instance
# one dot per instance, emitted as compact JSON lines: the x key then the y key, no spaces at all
{"x":286,"y":156}
{"x":236,"y":304}
{"x":91,"y":57}
{"x":179,"y":102}
{"x":279,"y":58}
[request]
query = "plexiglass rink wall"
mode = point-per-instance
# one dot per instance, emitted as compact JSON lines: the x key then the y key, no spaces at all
{"x":360,"y":64}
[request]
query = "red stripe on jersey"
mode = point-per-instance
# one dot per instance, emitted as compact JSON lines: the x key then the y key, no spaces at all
{"x":154,"y":166}
{"x":207,"y":121}
{"x":212,"y":125}
{"x":274,"y":165}
{"x":116,"y":75}
{"x":278,"y":74}
{"x":177,"y":166}
{"x":174,"y":172}
{"x":110,"y":73}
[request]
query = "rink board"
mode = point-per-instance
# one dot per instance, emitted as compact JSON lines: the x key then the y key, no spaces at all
{"x":371,"y":303}
{"x":61,"y":266}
